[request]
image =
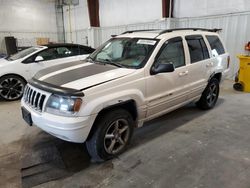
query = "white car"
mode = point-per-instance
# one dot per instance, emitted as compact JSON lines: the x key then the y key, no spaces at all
{"x":17,"y":69}
{"x":132,"y":78}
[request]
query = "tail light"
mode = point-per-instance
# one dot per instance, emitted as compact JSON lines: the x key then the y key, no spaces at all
{"x":228,"y":61}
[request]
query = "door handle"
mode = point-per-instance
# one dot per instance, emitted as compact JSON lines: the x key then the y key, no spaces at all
{"x":210,"y":64}
{"x":183,"y":73}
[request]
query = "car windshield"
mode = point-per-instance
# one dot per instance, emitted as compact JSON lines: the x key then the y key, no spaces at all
{"x":22,"y":54}
{"x":125,"y":52}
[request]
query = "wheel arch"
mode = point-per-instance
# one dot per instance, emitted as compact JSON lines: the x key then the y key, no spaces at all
{"x":217,"y":75}
{"x":13,"y":74}
{"x":128,"y":105}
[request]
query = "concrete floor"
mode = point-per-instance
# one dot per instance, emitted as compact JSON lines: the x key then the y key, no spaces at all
{"x":186,"y":148}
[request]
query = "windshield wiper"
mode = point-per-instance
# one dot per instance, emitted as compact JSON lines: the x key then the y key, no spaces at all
{"x":104,"y":62}
{"x":110,"y":62}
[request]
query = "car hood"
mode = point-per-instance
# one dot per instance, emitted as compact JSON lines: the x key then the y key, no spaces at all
{"x":80,"y":75}
{"x":4,"y":62}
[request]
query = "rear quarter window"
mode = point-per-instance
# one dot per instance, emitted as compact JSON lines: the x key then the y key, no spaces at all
{"x":216,"y":45}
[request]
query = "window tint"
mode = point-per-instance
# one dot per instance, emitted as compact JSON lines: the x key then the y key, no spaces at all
{"x":83,"y":51}
{"x":86,"y":50}
{"x":197,"y":48}
{"x":49,"y":54}
{"x":216,"y":45}
{"x":59,"y":52}
{"x":63,"y":52}
{"x":173,"y":52}
{"x":74,"y":51}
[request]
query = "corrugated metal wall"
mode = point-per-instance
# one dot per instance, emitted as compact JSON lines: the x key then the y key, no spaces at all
{"x":235,"y":32}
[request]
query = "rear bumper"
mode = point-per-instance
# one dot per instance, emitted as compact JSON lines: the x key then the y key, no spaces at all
{"x":72,"y":129}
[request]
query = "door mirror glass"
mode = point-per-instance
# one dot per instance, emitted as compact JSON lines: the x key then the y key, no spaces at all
{"x":39,"y":58}
{"x":161,"y":68}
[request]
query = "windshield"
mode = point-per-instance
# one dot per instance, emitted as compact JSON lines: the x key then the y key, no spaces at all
{"x":22,"y":53}
{"x":125,"y":52}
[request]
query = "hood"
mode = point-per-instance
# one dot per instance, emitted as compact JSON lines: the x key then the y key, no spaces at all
{"x":4,"y":62}
{"x":80,"y":75}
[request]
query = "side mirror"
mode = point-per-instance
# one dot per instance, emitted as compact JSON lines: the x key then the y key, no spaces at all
{"x":39,"y":58}
{"x":161,"y":68}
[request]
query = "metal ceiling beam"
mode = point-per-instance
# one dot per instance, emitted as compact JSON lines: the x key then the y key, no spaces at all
{"x":93,"y":7}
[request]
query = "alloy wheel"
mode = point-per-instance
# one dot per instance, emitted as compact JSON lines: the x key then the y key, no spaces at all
{"x":116,"y":137}
{"x":11,"y":88}
{"x":212,"y":95}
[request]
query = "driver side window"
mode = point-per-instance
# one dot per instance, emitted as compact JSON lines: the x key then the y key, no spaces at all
{"x":49,"y":54}
{"x":172,"y":52}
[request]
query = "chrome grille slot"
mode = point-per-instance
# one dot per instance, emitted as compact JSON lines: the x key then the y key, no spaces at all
{"x":34,"y":98}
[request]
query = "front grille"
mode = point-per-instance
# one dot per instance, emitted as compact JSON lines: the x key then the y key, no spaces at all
{"x":34,"y":98}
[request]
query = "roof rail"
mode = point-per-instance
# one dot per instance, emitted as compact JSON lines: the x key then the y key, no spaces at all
{"x":133,"y":31}
{"x":193,"y":29}
{"x":171,"y":30}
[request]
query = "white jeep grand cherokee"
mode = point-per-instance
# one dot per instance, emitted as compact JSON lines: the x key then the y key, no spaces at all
{"x":132,"y":78}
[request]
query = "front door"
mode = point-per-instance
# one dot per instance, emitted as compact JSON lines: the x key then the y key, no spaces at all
{"x":167,"y":90}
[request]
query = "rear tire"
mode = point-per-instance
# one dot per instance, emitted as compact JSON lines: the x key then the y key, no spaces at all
{"x":111,"y":136}
{"x":210,"y":95}
{"x":11,"y":87}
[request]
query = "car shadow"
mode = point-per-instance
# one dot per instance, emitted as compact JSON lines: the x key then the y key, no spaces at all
{"x":168,"y":123}
{"x":45,"y":158}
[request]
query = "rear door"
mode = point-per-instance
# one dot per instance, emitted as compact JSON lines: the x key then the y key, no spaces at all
{"x":199,"y":64}
{"x":166,"y":90}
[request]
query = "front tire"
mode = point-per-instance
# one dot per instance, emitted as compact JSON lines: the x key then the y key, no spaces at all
{"x":112,"y":135}
{"x":11,"y":87}
{"x":210,"y":95}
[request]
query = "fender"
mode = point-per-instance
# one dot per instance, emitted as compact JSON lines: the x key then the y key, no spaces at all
{"x":100,"y":103}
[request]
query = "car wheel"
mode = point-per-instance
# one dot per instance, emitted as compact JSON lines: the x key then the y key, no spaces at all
{"x":111,"y":136}
{"x":210,"y":95}
{"x":11,"y":87}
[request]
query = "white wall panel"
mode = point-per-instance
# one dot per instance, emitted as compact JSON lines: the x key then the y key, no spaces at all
{"x":78,"y":36}
{"x":27,"y":20}
{"x":195,"y":8}
{"x":123,"y":12}
{"x":27,"y":15}
{"x":76,"y":19}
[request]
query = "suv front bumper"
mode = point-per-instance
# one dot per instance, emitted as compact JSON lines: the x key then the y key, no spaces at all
{"x":72,"y":129}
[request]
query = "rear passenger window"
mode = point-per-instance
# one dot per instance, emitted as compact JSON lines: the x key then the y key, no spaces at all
{"x":197,"y":48}
{"x":172,"y":52}
{"x":216,"y":45}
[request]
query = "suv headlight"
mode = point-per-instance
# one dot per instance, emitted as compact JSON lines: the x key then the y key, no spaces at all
{"x":62,"y":105}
